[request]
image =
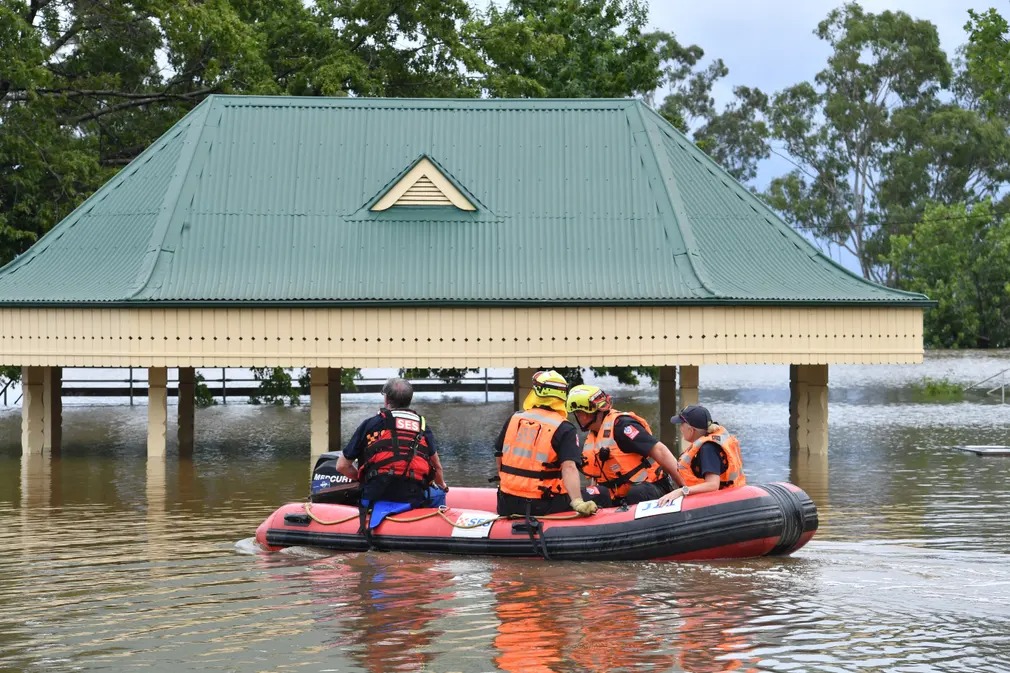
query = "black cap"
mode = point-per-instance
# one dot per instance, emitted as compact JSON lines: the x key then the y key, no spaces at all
{"x":694,"y":415}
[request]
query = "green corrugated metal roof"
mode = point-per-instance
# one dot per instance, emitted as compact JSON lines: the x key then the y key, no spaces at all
{"x":264,"y":200}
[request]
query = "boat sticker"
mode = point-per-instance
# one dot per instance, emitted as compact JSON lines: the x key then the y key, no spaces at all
{"x":473,"y":523}
{"x":652,"y":507}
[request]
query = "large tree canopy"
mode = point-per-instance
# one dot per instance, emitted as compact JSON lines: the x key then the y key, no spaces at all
{"x":960,"y":257}
{"x":840,"y":130}
{"x":988,"y":54}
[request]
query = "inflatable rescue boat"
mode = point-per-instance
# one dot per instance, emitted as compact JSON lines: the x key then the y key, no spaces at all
{"x":754,"y":520}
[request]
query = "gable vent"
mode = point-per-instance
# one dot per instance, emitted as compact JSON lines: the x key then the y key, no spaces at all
{"x":423,"y":185}
{"x":423,"y":193}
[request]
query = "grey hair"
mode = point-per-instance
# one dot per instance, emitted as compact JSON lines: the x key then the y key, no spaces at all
{"x":398,"y":393}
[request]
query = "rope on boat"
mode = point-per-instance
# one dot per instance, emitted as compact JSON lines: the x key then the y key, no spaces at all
{"x":308,"y":511}
{"x":439,"y":512}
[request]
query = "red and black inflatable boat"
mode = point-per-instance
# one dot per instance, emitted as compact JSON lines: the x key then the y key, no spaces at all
{"x":755,"y":520}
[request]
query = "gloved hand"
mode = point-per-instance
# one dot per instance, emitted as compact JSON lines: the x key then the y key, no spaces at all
{"x":584,"y":508}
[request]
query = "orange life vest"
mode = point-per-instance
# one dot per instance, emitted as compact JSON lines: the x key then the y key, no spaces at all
{"x":399,"y":449}
{"x":732,"y":473}
{"x":529,"y":465}
{"x":613,"y":468}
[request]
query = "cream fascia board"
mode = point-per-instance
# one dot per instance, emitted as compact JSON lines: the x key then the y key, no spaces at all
{"x":423,"y":169}
{"x":459,"y":337}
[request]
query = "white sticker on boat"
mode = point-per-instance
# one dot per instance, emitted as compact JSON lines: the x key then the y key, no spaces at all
{"x":652,"y":507}
{"x":473,"y":523}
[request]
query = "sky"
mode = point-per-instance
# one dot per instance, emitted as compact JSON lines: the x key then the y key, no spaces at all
{"x":770,"y":44}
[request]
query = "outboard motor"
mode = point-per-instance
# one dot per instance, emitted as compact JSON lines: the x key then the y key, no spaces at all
{"x":330,"y":486}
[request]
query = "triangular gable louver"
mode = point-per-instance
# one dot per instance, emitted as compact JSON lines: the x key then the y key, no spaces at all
{"x":423,"y":185}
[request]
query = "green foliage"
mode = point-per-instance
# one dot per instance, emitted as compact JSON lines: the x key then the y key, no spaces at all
{"x":737,"y":137}
{"x":960,"y":257}
{"x":988,"y":54}
{"x":275,"y":387}
{"x":9,"y":375}
{"x":202,"y":395}
{"x":446,"y":374}
{"x":629,"y":375}
{"x":844,"y":130}
{"x":559,"y":48}
{"x":937,"y":390}
{"x":347,"y":378}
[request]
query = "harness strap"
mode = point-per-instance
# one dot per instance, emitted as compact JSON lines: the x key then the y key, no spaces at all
{"x":535,"y":529}
{"x":623,"y":479}
{"x":364,"y":513}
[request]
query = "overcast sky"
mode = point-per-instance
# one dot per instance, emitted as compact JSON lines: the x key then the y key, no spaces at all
{"x":770,"y":43}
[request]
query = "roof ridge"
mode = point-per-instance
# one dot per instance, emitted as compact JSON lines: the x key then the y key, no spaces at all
{"x":96,"y":197}
{"x":170,"y":202}
{"x":672,"y":192}
{"x":406,"y":103}
{"x":758,"y":205}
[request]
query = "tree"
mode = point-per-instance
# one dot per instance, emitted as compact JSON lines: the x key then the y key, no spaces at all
{"x":737,"y":137}
{"x":86,"y":86}
{"x":840,"y":131}
{"x":988,"y":54}
{"x":565,"y":49}
{"x":450,"y":375}
{"x":959,"y":256}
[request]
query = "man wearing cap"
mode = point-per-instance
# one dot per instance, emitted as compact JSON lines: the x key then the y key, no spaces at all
{"x":713,"y":460}
{"x":538,"y":454}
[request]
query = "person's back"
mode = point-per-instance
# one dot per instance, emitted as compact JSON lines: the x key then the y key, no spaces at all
{"x":537,"y":454}
{"x":395,"y":451}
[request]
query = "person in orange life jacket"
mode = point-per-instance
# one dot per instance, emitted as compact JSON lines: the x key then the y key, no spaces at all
{"x":538,"y":455}
{"x":713,"y":460}
{"x":621,"y":455}
{"x":395,"y":451}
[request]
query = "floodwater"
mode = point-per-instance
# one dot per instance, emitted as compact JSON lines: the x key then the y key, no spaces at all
{"x":111,"y":562}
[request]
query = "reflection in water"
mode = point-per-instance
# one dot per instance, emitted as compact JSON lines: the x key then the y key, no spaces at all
{"x":809,"y":471}
{"x":114,"y":562}
{"x":155,"y":519}
{"x":712,"y":627}
{"x":36,"y":482}
{"x":387,"y":609}
{"x":531,"y":637}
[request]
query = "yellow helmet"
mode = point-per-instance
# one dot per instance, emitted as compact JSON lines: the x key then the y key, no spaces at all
{"x":589,"y":399}
{"x":550,"y":384}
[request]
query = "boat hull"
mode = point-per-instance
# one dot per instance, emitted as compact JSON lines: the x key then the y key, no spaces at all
{"x":759,"y":520}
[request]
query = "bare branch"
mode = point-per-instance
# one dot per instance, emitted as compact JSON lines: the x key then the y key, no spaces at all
{"x":140,"y":102}
{"x":34,"y":8}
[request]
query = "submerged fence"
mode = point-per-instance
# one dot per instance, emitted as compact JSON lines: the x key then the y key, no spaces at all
{"x":237,"y":385}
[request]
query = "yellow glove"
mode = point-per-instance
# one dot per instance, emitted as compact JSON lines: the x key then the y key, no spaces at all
{"x":584,"y":508}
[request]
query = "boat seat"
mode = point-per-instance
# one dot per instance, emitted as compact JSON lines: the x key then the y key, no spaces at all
{"x":382,"y":508}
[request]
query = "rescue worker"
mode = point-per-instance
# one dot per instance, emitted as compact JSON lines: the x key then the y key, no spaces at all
{"x":538,"y":454}
{"x":621,"y":455}
{"x":713,"y":460}
{"x":395,"y":451}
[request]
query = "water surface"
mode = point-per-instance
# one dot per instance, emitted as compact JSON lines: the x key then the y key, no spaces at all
{"x":112,"y":562}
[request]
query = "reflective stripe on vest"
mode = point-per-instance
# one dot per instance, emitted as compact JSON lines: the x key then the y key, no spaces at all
{"x":529,"y":464}
{"x":613,"y":468}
